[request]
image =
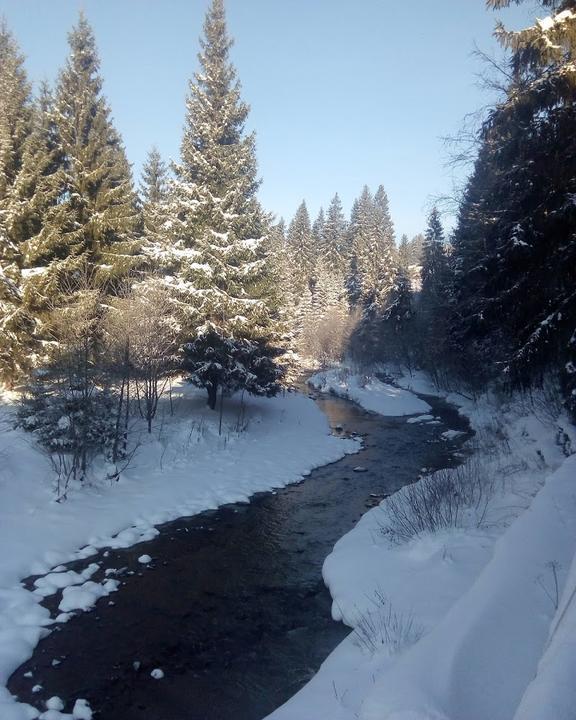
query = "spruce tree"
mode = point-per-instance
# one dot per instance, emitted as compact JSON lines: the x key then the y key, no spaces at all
{"x":15,"y":128}
{"x":514,"y":245}
{"x":224,"y":281}
{"x":90,"y":231}
{"x":16,"y":326}
{"x":434,"y":300}
{"x":335,"y":252}
{"x":300,"y":244}
{"x":404,"y":255}
{"x":318,"y":233}
{"x":154,"y":195}
{"x":15,"y":116}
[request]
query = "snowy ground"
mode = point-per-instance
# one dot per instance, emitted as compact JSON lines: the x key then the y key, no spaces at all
{"x":369,"y":392}
{"x":184,"y":467}
{"x":472,"y":622}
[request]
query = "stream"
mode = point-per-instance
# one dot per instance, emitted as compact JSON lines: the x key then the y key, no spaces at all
{"x":232,"y":608}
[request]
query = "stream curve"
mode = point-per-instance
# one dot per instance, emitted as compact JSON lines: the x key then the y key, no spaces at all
{"x":232,"y":607}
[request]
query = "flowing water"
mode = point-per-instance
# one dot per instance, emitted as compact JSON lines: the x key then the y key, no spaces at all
{"x":233,"y":608}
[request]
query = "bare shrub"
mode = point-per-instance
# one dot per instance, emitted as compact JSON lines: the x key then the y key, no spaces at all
{"x":143,"y":340}
{"x":326,"y":338}
{"x":382,"y":627}
{"x":449,"y":498}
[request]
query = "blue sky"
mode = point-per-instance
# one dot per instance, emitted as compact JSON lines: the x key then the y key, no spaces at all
{"x":342,"y":93}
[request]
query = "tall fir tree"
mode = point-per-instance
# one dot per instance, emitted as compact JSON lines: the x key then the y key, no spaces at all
{"x":15,"y":127}
{"x":335,"y":252}
{"x":224,"y":279}
{"x":154,"y":195}
{"x":300,"y":243}
{"x":90,"y":230}
{"x":434,"y":299}
{"x":514,"y":244}
{"x":318,"y":233}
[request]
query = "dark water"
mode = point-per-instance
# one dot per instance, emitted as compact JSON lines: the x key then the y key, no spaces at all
{"x":233,"y":608}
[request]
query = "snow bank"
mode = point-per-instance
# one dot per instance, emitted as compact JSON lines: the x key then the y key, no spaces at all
{"x":371,"y":394}
{"x":183,"y":468}
{"x":452,"y":624}
{"x":478,"y":661}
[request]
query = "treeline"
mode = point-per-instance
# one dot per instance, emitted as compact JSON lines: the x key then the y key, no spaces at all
{"x":106,"y":292}
{"x":496,"y":301}
{"x":336,"y":270}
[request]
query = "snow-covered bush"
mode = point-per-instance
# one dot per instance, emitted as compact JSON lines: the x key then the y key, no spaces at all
{"x":229,"y":364}
{"x":71,"y":424}
{"x":448,"y":498}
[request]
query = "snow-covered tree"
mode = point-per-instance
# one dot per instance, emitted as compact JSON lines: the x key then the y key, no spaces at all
{"x":318,"y":233}
{"x":335,"y":252}
{"x":302,"y":252}
{"x":224,"y":280}
{"x":91,"y":229}
{"x":15,"y":126}
{"x":16,"y":326}
{"x":154,"y":194}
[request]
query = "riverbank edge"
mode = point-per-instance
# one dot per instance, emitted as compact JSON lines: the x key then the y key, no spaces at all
{"x":42,"y":534}
{"x":422,"y":680}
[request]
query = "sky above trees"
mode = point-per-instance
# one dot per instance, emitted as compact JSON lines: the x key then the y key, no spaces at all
{"x":341,"y":93}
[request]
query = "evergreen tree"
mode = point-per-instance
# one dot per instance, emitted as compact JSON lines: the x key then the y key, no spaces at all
{"x":435,"y":265}
{"x":224,"y":280}
{"x":15,"y":127}
{"x":15,"y":117}
{"x":335,"y":251}
{"x":15,"y":324}
{"x":514,"y":245}
{"x":404,"y":255}
{"x":434,"y":300}
{"x":318,"y":233}
{"x":300,"y":243}
{"x":89,"y":232}
{"x":155,"y":214}
{"x":35,"y":194}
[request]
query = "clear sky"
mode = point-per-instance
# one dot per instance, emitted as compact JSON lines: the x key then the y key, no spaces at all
{"x":343,"y":92}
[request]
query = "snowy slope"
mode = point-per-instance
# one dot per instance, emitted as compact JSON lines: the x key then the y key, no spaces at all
{"x":453,"y":624}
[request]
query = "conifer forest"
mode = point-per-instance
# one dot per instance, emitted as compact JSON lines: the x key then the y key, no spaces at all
{"x":367,"y":440}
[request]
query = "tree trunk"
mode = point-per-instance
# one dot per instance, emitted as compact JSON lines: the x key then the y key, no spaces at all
{"x":212,"y":395}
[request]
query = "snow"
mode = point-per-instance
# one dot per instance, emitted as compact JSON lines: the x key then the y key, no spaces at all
{"x":81,"y":710}
{"x":157,"y":674}
{"x":461,"y":623}
{"x":85,"y":596}
{"x":183,"y":468}
{"x":54,"y":703}
{"x":144,"y":559}
{"x":370,"y":393}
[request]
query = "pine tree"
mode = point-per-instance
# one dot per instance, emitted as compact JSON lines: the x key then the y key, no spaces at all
{"x":90,"y":231}
{"x":404,"y":256}
{"x":318,"y":233}
{"x":15,"y":127}
{"x":435,"y":266}
{"x":372,"y":234}
{"x":15,"y":324}
{"x":15,"y":116}
{"x":434,"y":300}
{"x":154,"y":195}
{"x":300,"y":244}
{"x":335,"y":252}
{"x":515,"y":247}
{"x":35,"y":194}
{"x":224,"y":280}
